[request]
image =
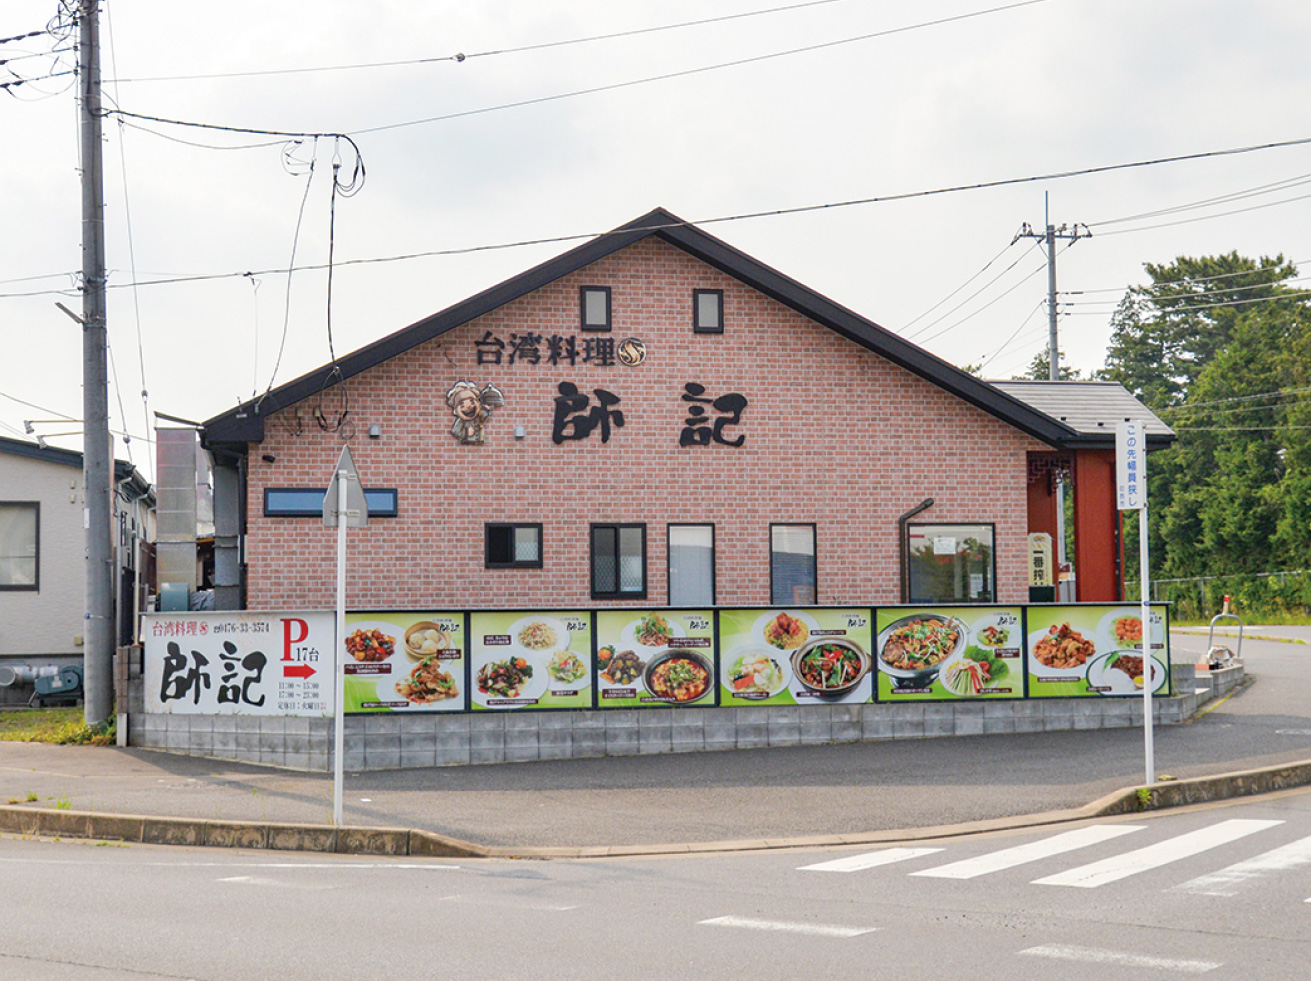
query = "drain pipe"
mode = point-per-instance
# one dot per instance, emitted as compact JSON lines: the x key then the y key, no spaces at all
{"x":903,"y":539}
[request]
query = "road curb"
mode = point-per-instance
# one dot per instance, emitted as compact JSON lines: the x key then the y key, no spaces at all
{"x":274,"y":836}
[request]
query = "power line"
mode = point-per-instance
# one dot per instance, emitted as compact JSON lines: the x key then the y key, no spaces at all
{"x":737,"y":63}
{"x":1190,"y":280}
{"x":1006,"y":343}
{"x":994,"y":300}
{"x":744,"y":216}
{"x":986,"y":266}
{"x":461,"y":57}
{"x":1275,"y":393}
{"x":1193,"y":308}
{"x":933,"y":323}
{"x":1209,"y":202}
{"x":1221,"y":214}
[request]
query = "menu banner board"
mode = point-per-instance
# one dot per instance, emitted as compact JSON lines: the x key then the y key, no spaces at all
{"x":239,"y":663}
{"x":1096,"y":650}
{"x":951,"y":652}
{"x":530,"y":659}
{"x":795,"y":656}
{"x":653,"y":658}
{"x":404,"y":662}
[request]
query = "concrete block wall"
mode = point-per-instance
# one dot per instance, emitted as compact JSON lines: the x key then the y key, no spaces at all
{"x":389,"y":742}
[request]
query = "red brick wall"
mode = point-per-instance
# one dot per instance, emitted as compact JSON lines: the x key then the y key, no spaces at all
{"x":835,"y":435}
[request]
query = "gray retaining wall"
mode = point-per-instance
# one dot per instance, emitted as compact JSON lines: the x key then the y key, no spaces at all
{"x":386,"y":742}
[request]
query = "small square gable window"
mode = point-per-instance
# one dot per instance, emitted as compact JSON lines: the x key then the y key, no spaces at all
{"x":708,"y":311}
{"x":596,"y":307}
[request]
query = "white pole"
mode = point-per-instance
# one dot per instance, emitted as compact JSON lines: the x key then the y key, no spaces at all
{"x":339,"y":712}
{"x":1147,"y":646}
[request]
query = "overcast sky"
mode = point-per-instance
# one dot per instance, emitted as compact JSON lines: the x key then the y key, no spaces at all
{"x":887,"y":102}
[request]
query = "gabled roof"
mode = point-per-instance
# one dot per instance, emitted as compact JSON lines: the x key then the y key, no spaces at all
{"x":123,"y":471}
{"x":245,"y":423}
{"x":1092,"y":408}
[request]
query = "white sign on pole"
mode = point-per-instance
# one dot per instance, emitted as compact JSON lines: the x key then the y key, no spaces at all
{"x":1130,"y":466}
{"x":1131,"y":495}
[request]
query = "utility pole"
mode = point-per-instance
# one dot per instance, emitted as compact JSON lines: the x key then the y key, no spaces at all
{"x":97,"y":451}
{"x":1073,"y":233}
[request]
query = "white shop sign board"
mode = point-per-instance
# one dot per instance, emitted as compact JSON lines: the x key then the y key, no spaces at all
{"x":239,"y":663}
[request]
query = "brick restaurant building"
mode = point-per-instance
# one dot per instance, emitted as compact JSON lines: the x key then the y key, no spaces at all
{"x":655,"y":418}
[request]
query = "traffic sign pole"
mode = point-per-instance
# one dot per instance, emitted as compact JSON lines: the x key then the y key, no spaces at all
{"x":339,"y":710}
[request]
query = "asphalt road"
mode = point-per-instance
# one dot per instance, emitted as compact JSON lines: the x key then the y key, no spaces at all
{"x":1219,"y":891}
{"x":708,"y":797}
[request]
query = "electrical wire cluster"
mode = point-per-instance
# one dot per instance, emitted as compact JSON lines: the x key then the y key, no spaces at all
{"x":18,"y":79}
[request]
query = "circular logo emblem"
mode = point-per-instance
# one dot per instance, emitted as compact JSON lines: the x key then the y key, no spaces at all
{"x":631,"y":352}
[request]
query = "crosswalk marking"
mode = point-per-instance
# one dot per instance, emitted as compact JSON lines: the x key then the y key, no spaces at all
{"x":1154,"y":856}
{"x":869,"y":860}
{"x":1095,"y":955}
{"x":1030,"y":852}
{"x":784,"y":926}
{"x":1228,"y":881}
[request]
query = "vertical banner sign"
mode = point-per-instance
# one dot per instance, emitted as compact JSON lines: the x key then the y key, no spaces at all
{"x":1130,"y":466}
{"x":1040,"y":559}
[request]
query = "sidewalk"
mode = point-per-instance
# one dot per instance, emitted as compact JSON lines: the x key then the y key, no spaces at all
{"x":839,"y":792}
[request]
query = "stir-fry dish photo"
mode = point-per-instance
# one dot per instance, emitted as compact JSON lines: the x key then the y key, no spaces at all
{"x":827,"y":667}
{"x":370,"y":645}
{"x":1063,"y":647}
{"x":619,"y":669}
{"x":504,"y":679}
{"x":428,"y":683}
{"x":653,"y":630}
{"x":920,"y":643}
{"x":683,"y":679}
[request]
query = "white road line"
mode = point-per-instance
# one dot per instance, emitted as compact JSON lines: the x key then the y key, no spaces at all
{"x":1031,"y":852}
{"x":813,"y":929}
{"x":1154,"y":856}
{"x":504,"y":903}
{"x":868,"y":860}
{"x":1229,"y":881}
{"x":1094,"y":955}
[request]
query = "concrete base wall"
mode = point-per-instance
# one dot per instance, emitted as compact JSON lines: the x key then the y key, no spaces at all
{"x":388,"y":742}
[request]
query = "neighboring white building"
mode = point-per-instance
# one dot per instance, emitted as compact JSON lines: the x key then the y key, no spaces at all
{"x":43,"y":553}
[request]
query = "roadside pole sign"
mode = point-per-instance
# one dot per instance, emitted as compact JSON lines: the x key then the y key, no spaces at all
{"x":1131,"y":495}
{"x":344,"y":507}
{"x":1130,"y":466}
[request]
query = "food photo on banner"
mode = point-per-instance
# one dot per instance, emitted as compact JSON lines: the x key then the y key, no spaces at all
{"x":655,"y":658}
{"x":238,"y":663}
{"x":1096,"y":650}
{"x":521,"y":660}
{"x":404,"y":662}
{"x":810,"y":656}
{"x":944,"y":653}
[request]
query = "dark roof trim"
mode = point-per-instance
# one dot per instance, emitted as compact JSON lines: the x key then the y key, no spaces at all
{"x":245,"y":423}
{"x":123,"y":471}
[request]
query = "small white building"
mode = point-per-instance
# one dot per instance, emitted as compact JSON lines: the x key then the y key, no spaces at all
{"x":43,"y":557}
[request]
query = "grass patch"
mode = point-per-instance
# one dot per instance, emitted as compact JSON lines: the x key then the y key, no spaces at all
{"x":62,"y":726}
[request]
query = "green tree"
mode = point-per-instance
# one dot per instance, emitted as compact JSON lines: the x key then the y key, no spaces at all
{"x":1221,"y":349}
